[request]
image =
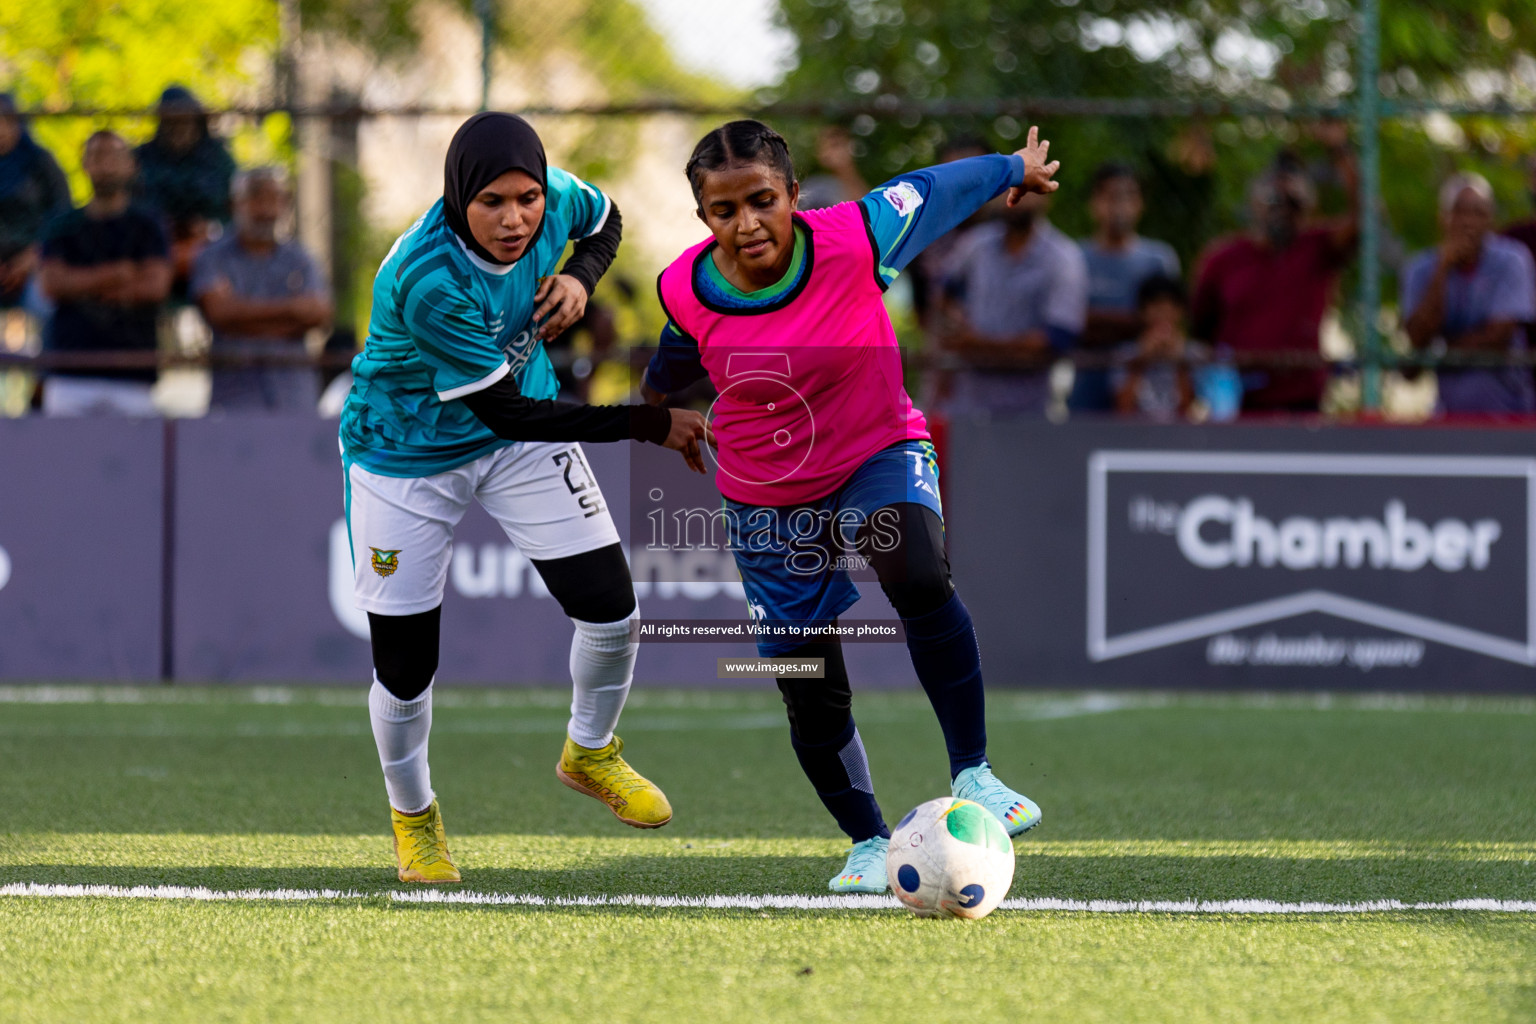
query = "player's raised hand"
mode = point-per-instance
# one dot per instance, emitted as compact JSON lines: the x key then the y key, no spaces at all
{"x":562,"y":300}
{"x":688,"y":429}
{"x":1038,"y":174}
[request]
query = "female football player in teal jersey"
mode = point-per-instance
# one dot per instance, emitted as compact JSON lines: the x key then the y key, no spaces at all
{"x":821,"y":449}
{"x":453,"y":401}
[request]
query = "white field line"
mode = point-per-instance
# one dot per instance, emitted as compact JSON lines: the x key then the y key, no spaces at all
{"x":1026,"y":705}
{"x":178,"y":892}
{"x":498,"y":899}
{"x":537,"y":719}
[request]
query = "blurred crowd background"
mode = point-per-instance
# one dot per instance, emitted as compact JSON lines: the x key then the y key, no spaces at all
{"x":194,"y":197}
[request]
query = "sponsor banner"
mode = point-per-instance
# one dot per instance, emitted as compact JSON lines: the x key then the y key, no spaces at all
{"x":264,"y":574}
{"x":1116,"y":555}
{"x":1103,"y":555}
{"x":259,"y":501}
{"x":81,"y":561}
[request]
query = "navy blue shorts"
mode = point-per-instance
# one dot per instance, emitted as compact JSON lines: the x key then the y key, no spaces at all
{"x":794,"y":559}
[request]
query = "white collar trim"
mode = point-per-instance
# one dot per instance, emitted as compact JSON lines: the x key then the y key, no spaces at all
{"x":499,"y":269}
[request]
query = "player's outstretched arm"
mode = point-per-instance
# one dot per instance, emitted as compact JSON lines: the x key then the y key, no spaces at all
{"x":513,"y":416}
{"x":911,"y":211}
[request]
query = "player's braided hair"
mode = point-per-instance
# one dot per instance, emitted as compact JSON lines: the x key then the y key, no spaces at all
{"x":739,"y":142}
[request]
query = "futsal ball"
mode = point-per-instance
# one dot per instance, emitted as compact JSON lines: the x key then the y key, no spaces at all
{"x":950,"y":858}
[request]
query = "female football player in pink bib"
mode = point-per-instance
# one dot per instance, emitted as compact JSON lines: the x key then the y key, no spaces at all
{"x":819,"y":447}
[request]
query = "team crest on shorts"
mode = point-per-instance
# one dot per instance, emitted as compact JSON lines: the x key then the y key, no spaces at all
{"x":385,"y":562}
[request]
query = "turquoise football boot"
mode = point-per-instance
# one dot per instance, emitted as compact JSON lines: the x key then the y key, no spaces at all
{"x":1017,"y":812}
{"x":865,"y":868}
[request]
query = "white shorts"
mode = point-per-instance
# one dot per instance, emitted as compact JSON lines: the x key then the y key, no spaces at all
{"x":542,"y":493}
{"x":98,"y":396}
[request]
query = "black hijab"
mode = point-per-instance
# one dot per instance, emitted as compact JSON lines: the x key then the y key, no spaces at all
{"x":484,"y":148}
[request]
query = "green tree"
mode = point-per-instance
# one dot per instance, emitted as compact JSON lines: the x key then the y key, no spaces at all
{"x":904,"y":58}
{"x":120,"y":55}
{"x":613,"y":38}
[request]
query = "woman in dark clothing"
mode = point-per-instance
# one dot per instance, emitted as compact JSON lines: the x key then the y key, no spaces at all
{"x":184,"y":173}
{"x":33,"y":191}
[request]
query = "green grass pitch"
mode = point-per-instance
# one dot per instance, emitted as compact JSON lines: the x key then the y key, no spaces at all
{"x":1291,"y":800}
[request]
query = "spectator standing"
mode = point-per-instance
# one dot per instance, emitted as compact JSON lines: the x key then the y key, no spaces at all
{"x":33,"y":191}
{"x":1156,"y":375}
{"x":1119,"y":262}
{"x":1018,"y":293}
{"x":1266,"y":291}
{"x":840,"y":180}
{"x":1473,"y":294}
{"x":107,"y":267}
{"x":185,"y":173}
{"x":261,"y":293}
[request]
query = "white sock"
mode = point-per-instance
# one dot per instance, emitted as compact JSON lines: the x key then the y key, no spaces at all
{"x":602,"y":665}
{"x":400,"y":729}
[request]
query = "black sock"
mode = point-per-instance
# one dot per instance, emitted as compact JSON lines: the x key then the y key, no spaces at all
{"x":839,"y":771}
{"x":948,"y":664}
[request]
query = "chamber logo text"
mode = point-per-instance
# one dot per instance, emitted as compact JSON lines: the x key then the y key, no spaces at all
{"x":1217,"y":532}
{"x":1209,"y":546}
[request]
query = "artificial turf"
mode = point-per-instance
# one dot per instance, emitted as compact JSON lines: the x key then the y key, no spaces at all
{"x":1302,"y":799}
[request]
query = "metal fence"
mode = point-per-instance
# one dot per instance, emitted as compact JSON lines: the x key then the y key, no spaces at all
{"x":320,"y":125}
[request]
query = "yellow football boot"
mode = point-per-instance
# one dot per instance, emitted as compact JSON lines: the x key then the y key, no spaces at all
{"x":421,"y":847}
{"x":604,"y":775}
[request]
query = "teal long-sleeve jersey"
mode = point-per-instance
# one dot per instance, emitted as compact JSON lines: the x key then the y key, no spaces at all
{"x":445,"y":324}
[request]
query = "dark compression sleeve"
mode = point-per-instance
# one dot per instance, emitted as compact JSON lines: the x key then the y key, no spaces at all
{"x":591,"y":256}
{"x":512,"y":415}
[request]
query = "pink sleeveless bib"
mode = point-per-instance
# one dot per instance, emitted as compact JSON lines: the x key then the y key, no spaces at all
{"x":810,"y":386}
